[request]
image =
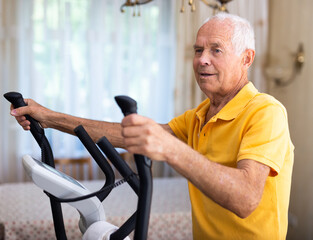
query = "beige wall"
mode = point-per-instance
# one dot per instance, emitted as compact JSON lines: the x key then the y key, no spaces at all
{"x":291,"y":22}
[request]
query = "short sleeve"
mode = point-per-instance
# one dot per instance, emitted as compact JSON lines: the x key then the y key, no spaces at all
{"x":179,"y":125}
{"x":266,"y":138}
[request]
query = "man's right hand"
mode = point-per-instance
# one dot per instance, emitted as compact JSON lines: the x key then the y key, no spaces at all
{"x":32,"y":109}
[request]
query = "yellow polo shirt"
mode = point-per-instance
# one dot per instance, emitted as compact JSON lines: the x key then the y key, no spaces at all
{"x":253,"y":126}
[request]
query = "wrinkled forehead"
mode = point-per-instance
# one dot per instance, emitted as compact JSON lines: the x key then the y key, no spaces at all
{"x":217,"y":28}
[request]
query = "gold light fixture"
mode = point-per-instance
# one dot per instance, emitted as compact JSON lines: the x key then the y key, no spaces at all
{"x":284,"y":76}
{"x":190,"y":3}
{"x":218,"y":6}
{"x":136,"y":4}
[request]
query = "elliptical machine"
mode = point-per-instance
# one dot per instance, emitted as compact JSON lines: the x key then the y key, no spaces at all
{"x":141,"y":183}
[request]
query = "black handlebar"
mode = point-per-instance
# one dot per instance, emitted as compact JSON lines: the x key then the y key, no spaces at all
{"x":47,"y":157}
{"x":99,"y":158}
{"x":129,"y":106}
{"x":142,"y":186}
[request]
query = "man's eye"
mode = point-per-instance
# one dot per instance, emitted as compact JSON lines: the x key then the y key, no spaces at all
{"x":216,"y":50}
{"x":198,"y":50}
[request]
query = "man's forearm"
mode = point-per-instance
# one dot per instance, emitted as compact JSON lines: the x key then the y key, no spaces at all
{"x":236,"y":189}
{"x":96,"y":129}
{"x":67,"y":123}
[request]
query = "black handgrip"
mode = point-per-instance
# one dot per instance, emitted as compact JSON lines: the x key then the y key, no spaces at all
{"x":98,"y":157}
{"x":143,"y":164}
{"x":111,"y":153}
{"x":118,"y":162}
{"x":129,"y":106}
{"x":47,"y":157}
{"x":15,"y":98}
{"x":17,"y":101}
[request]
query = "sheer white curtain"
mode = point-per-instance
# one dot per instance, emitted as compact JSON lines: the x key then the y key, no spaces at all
{"x":8,"y":80}
{"x":188,"y":94}
{"x":74,"y":56}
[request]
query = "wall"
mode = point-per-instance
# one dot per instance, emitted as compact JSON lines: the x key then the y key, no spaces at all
{"x":290,"y":24}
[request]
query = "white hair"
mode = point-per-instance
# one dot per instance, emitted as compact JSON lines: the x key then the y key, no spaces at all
{"x":243,"y":33}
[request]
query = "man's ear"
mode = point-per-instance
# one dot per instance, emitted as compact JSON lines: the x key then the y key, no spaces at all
{"x":248,"y":57}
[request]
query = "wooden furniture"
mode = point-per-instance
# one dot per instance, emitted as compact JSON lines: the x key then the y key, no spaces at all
{"x":77,"y":168}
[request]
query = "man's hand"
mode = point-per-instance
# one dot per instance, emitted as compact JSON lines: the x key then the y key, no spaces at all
{"x":236,"y":189}
{"x":32,"y":109}
{"x":144,"y":136}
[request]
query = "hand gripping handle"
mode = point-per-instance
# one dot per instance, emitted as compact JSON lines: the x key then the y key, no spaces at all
{"x":129,"y":106}
{"x":17,"y":101}
{"x":47,"y":157}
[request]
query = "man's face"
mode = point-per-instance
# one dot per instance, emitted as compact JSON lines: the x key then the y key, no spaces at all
{"x":217,"y":68}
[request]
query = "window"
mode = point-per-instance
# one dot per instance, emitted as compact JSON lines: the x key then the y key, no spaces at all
{"x":76,"y":55}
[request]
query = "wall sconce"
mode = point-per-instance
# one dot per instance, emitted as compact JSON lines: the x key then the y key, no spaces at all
{"x":220,"y":6}
{"x":284,"y":76}
{"x":135,"y":4}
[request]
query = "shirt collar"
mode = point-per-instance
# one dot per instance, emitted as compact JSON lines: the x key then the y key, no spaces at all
{"x":234,"y":107}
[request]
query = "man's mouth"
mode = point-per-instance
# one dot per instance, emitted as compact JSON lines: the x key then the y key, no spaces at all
{"x":206,"y":74}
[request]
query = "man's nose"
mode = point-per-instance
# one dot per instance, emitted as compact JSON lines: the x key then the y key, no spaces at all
{"x":205,"y":58}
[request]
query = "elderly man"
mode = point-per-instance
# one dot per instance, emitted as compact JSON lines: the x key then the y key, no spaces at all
{"x":234,"y":148}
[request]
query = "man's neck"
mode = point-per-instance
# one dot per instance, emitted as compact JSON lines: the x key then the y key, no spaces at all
{"x":218,"y":102}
